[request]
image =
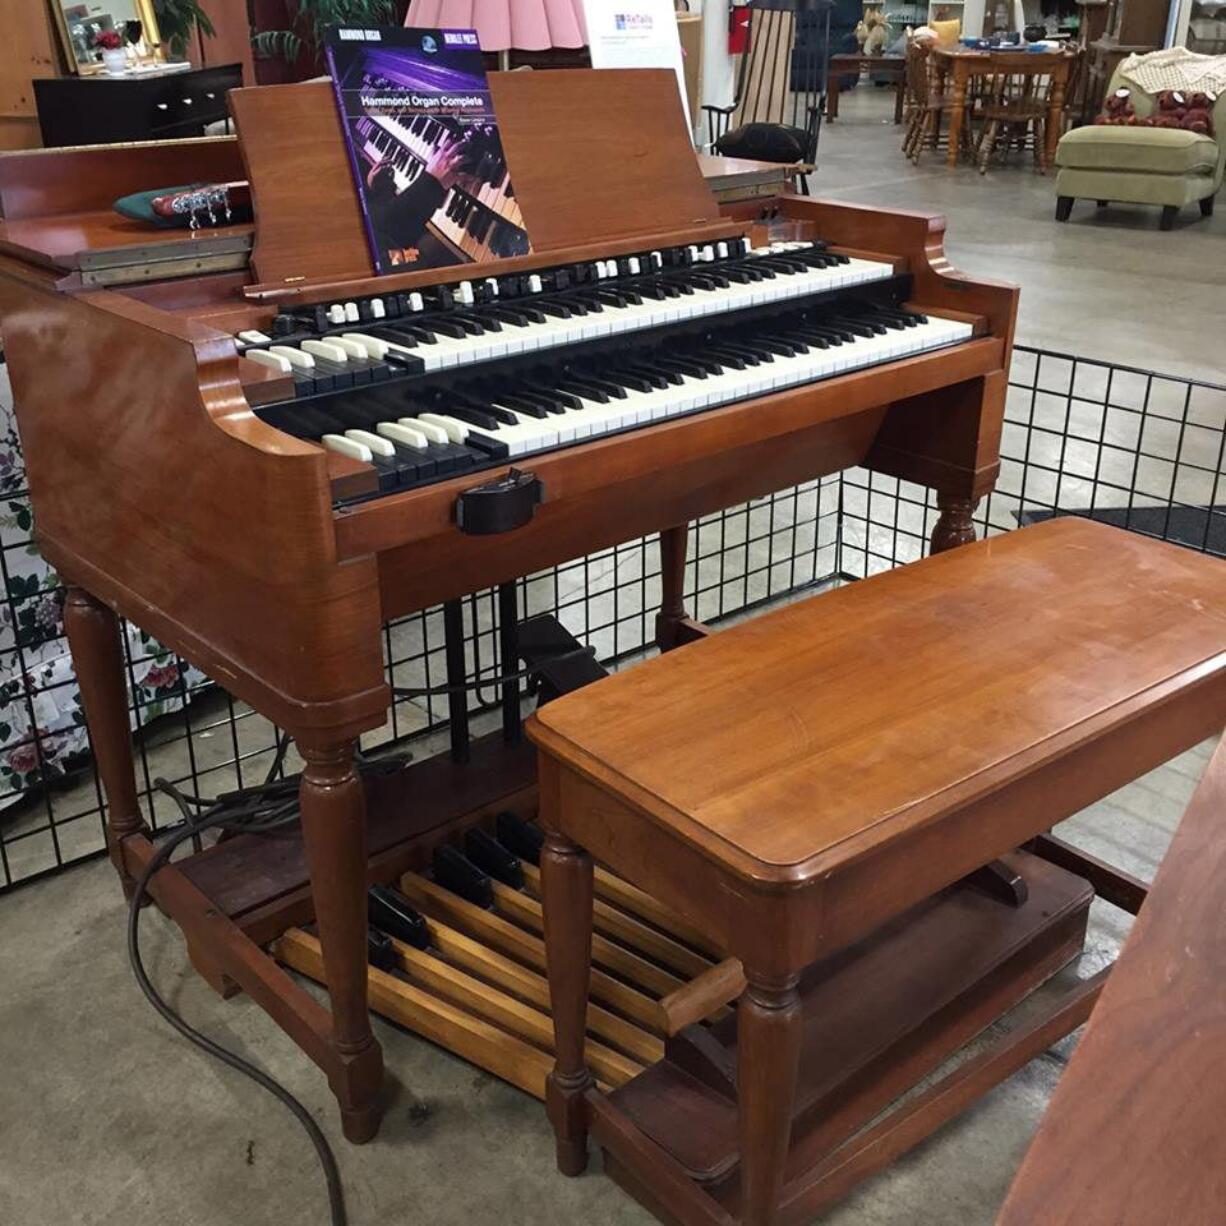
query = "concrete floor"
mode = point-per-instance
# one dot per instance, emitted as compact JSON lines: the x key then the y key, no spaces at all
{"x":107,"y":1117}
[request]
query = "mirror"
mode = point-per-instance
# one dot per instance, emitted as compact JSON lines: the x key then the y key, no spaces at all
{"x":81,"y":22}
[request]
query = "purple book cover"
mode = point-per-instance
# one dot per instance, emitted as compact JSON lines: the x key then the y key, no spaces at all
{"x":424,"y":146}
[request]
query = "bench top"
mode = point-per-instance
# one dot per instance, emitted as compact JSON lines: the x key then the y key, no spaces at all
{"x":1134,"y":1133}
{"x":801,"y":740}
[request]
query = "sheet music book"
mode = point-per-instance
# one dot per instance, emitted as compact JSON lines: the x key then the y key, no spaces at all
{"x":423,"y":143}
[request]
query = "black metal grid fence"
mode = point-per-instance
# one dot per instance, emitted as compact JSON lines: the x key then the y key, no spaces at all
{"x":1135,"y":448}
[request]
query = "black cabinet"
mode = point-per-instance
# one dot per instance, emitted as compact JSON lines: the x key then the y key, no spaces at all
{"x":100,"y":110}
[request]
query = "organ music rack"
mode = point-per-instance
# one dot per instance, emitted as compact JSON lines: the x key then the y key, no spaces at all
{"x":159,"y":494}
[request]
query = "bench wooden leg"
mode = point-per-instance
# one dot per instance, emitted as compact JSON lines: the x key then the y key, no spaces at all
{"x":955,"y":525}
{"x":768,"y":1057}
{"x":97,"y":657}
{"x":566,"y":890}
{"x":333,"y":803}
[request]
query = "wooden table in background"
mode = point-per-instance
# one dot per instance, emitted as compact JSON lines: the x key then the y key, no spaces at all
{"x":959,"y":64}
{"x":893,"y":67}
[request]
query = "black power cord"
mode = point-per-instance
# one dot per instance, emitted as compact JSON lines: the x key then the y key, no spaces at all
{"x":482,"y":683}
{"x":262,"y":809}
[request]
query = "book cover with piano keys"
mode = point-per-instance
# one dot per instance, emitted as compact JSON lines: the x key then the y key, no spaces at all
{"x":423,"y":142}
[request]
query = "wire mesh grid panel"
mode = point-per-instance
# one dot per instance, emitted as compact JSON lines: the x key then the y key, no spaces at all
{"x":1130,"y":447}
{"x":1135,"y":448}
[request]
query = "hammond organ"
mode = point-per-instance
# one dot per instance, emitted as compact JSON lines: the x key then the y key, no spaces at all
{"x":259,"y":451}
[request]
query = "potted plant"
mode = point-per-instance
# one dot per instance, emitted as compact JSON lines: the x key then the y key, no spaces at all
{"x":309,"y":19}
{"x":114,"y":61}
{"x":176,"y":21}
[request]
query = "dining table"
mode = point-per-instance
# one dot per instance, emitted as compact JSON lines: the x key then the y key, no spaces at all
{"x":956,"y":65}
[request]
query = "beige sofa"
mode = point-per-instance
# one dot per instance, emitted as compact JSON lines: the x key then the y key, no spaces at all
{"x":1162,"y":166}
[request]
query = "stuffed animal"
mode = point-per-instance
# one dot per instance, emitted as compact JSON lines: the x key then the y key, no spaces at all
{"x":1191,"y":112}
{"x":872,"y":32}
{"x":1118,"y":110}
{"x":1200,"y":113}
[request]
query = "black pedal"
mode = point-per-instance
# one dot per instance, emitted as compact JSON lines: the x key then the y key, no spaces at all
{"x":489,"y":855}
{"x":380,"y":952}
{"x":520,"y":837}
{"x":499,"y":506}
{"x":391,"y":913}
{"x":454,"y":871}
{"x":558,"y":659}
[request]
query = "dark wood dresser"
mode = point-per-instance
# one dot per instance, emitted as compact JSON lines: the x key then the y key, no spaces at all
{"x":102,"y":110}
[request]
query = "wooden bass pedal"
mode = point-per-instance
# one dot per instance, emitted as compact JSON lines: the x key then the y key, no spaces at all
{"x":662,"y":1026}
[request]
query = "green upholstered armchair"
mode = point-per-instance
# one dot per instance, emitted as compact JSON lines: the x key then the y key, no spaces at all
{"x":1162,"y":166}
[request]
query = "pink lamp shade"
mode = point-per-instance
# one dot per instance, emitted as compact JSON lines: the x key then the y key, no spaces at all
{"x":527,"y":25}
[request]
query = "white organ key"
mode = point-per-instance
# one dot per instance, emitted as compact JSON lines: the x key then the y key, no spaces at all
{"x":491,"y":286}
{"x":377,"y":309}
{"x":534,"y":284}
{"x":405,"y":435}
{"x":634,"y":266}
{"x":373,"y":346}
{"x":351,"y":313}
{"x":721,"y":249}
{"x":336,"y":313}
{"x":354,"y":349}
{"x":376,"y":444}
{"x":252,"y":337}
{"x":464,"y":292}
{"x":456,"y":431}
{"x":657,"y":260}
{"x":325,"y":349}
{"x":265,"y":358}
{"x":416,"y":302}
{"x":436,"y":434}
{"x":346,"y":446}
{"x":295,"y":357}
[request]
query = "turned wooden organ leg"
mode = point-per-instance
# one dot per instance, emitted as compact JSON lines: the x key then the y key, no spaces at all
{"x":333,"y":804}
{"x":97,"y":655}
{"x":955,"y":525}
{"x":566,"y":888}
{"x":674,"y":625}
{"x":673,"y":543}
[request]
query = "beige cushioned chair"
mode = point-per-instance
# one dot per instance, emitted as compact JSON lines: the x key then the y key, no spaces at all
{"x":1162,"y":166}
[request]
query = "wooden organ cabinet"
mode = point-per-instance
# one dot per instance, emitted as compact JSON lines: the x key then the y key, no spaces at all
{"x":179,"y":480}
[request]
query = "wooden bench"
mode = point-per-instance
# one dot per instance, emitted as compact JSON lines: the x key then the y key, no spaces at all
{"x":814,"y":789}
{"x":1133,"y":1135}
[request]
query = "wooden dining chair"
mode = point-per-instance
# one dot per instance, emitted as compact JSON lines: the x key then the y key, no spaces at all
{"x":926,"y":102}
{"x":1013,"y":110}
{"x":776,"y":113}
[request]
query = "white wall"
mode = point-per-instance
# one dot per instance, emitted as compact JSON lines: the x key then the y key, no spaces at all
{"x":718,"y":67}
